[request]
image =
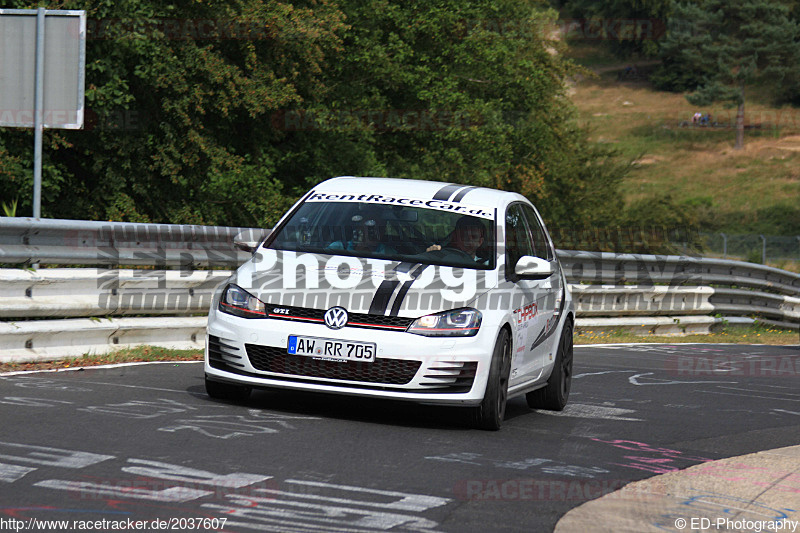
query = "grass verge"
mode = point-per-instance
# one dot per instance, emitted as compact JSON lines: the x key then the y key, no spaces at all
{"x":756,"y":334}
{"x":127,"y":355}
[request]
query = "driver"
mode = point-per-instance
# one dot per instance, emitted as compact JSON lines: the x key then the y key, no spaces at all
{"x":468,"y":236}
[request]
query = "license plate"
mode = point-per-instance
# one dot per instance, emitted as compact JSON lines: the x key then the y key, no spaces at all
{"x":332,"y":349}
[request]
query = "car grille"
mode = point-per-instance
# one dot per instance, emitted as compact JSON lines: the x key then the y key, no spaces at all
{"x":355,"y":320}
{"x":388,"y":371}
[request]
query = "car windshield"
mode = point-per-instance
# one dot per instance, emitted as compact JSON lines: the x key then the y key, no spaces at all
{"x":391,"y":232}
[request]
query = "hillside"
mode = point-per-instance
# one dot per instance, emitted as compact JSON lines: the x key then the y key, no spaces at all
{"x":751,"y":191}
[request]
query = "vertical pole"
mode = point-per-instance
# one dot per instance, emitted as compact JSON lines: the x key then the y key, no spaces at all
{"x":763,"y":250}
{"x":38,"y":113}
{"x":724,"y":246}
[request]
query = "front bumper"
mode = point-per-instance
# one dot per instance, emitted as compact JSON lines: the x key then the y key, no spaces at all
{"x":449,"y":371}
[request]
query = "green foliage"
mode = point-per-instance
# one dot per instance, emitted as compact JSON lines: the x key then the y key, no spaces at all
{"x":755,"y":255}
{"x":720,"y":47}
{"x":487,"y":75}
{"x":672,"y":74}
{"x":16,"y":176}
{"x":10,"y":210}
{"x":625,"y":27}
{"x":661,"y":211}
{"x":225,"y":112}
{"x":660,"y":224}
{"x":178,"y":94}
{"x":780,"y":219}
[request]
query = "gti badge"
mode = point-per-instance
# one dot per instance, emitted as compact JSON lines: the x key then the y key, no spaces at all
{"x":336,"y":317}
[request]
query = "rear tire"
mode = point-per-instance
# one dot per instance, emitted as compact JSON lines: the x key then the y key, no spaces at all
{"x":555,"y":394}
{"x":490,"y":413}
{"x":227,"y":391}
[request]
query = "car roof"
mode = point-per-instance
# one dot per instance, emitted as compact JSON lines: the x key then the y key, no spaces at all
{"x":419,"y":189}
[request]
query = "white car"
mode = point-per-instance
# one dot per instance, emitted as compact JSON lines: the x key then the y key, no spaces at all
{"x":410,"y":290}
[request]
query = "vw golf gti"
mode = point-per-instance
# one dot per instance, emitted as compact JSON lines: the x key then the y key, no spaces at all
{"x":410,"y":290}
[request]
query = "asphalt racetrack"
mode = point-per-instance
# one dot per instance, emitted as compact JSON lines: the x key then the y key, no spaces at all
{"x":143,"y":444}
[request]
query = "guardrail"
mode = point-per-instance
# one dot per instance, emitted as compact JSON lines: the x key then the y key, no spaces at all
{"x":48,"y":339}
{"x":648,"y":294}
{"x":82,"y":242}
{"x":91,"y":292}
{"x":646,"y":270}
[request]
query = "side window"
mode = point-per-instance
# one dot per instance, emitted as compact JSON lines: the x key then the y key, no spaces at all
{"x":518,"y":241}
{"x":541,"y":247}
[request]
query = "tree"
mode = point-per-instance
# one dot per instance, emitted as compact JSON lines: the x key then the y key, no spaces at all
{"x":180,"y":97}
{"x":225,"y":111}
{"x":626,"y":27}
{"x":733,"y":45}
{"x":483,"y":86}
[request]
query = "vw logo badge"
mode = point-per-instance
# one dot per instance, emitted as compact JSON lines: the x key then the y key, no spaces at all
{"x":336,"y":317}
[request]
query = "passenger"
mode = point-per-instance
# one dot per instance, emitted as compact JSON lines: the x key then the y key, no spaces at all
{"x":368,"y":236}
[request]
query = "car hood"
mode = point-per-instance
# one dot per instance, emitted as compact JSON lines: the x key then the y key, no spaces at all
{"x":360,"y":285}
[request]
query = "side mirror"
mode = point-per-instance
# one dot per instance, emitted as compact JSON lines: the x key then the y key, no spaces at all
{"x":529,"y":267}
{"x":249,"y":239}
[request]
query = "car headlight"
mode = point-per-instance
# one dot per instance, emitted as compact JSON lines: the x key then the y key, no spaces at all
{"x":237,"y":301}
{"x":456,"y":323}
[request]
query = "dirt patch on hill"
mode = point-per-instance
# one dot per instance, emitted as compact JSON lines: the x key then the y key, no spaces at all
{"x":791,"y":143}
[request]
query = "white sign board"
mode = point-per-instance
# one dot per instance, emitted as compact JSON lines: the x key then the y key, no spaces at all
{"x":64,"y":63}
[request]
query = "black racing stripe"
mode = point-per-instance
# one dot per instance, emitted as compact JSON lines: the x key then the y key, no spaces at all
{"x":401,"y":294}
{"x":382,"y":296}
{"x":380,"y":302}
{"x":405,"y":267}
{"x":461,"y":193}
{"x":446,"y":191}
{"x":540,"y":338}
{"x":546,"y":334}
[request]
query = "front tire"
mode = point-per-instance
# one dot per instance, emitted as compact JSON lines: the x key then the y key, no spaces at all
{"x":227,"y":391}
{"x":555,"y":394}
{"x":490,"y":413}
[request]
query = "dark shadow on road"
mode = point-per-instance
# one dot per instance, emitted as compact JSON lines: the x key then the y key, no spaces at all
{"x":368,"y":410}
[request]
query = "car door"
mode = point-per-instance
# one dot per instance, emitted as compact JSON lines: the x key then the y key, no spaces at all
{"x":552,"y":289}
{"x":531,"y":298}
